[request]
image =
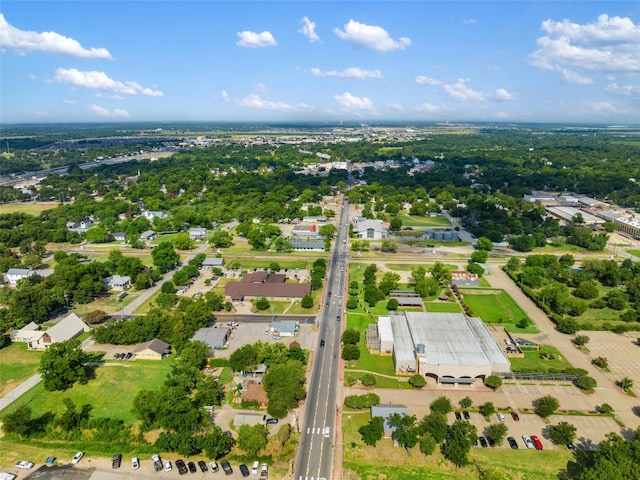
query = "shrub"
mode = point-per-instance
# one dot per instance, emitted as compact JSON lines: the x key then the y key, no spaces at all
{"x":601,"y":362}
{"x":350,"y":380}
{"x":581,"y":340}
{"x":493,"y":381}
{"x":368,"y":380}
{"x":417,"y":381}
{"x":606,"y":408}
{"x":358,"y":402}
{"x":441,"y":405}
{"x":546,"y":406}
{"x":350,"y":336}
{"x":586,"y":383}
{"x":350,"y":352}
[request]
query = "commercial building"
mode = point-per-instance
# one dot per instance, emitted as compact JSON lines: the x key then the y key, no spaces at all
{"x":154,"y":349}
{"x":216,"y":338}
{"x":263,"y":284}
{"x":450,"y":347}
{"x":628,"y":226}
{"x":69,"y":327}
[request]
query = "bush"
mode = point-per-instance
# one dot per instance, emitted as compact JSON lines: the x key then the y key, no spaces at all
{"x":606,"y":408}
{"x":262,"y":303}
{"x":358,"y":402}
{"x":493,"y":381}
{"x":350,"y":380}
{"x":586,"y":383}
{"x":352,"y":303}
{"x":417,"y":381}
{"x":487,"y":409}
{"x":601,"y":362}
{"x":350,"y":336}
{"x":568,"y":326}
{"x":523,"y":323}
{"x":368,"y":380}
{"x":581,"y":340}
{"x":441,"y":405}
{"x":306,"y":302}
{"x":546,"y":406}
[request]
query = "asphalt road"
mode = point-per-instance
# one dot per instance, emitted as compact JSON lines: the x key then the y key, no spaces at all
{"x":315,"y":456}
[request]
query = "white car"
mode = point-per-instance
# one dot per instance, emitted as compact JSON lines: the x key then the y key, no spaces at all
{"x":78,"y":456}
{"x":528,"y":442}
{"x":501,"y":417}
{"x":25,"y":464}
{"x":135,"y":463}
{"x":167,"y":465}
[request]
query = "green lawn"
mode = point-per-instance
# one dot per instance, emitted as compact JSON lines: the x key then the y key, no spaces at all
{"x":17,"y":364}
{"x":410,"y":266}
{"x":634,"y":252}
{"x":498,"y":309}
{"x":443,"y":307}
{"x":532,"y":360}
{"x":304,"y":263}
{"x":111,"y":393}
{"x":29,"y":208}
{"x":368,"y":361}
{"x":418,"y":221}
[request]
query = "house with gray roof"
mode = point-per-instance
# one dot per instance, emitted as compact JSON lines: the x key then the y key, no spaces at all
{"x":210,"y":263}
{"x":69,"y":327}
{"x":27,"y":333}
{"x":308,"y":246}
{"x":385,"y":411}
{"x":117,"y":282}
{"x":15,"y":274}
{"x":250,"y":419}
{"x":147,"y":235}
{"x":286,"y":328}
{"x":216,"y":338}
{"x":154,"y":349}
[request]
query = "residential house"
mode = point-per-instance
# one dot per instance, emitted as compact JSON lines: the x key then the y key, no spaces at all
{"x":385,"y":411}
{"x":117,"y":282}
{"x":15,"y":274}
{"x":119,"y":236}
{"x":81,"y":227}
{"x":154,"y":349}
{"x":26,"y":334}
{"x":69,"y":327}
{"x":151,"y":215}
{"x":197,"y":233}
{"x":148,"y":236}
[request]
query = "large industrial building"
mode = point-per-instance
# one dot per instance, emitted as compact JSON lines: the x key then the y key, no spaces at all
{"x":450,"y":347}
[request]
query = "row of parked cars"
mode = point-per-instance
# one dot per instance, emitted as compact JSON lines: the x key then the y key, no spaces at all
{"x":192,"y":467}
{"x":122,"y":356}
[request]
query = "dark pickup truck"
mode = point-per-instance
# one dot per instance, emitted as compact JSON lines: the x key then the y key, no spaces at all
{"x":117,"y":461}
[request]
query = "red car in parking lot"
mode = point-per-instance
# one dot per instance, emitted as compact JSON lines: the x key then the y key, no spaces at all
{"x":536,"y":442}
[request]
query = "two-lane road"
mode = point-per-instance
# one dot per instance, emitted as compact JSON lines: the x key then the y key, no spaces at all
{"x":316,"y":452}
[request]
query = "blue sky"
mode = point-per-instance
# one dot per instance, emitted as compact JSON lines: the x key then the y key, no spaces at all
{"x":545,"y":61}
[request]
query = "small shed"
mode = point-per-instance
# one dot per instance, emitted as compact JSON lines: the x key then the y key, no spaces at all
{"x":210,"y":263}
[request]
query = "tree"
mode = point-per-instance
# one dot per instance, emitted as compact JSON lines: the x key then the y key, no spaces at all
{"x":441,"y":405}
{"x":568,"y":326}
{"x":182,"y":241}
{"x":253,"y":438}
{"x":220,"y":238}
{"x":392,"y":304}
{"x":546,"y":406}
{"x":460,"y":438}
{"x":284,"y":384}
{"x":427,"y":444}
{"x":625,"y":384}
{"x":615,"y":458}
{"x":143,"y":281}
{"x":395,"y":224}
{"x":62,"y":365}
{"x":585,"y":382}
{"x":435,"y":425}
{"x":493,"y":381}
{"x":18,"y":421}
{"x":406,"y":432}
{"x":244,"y":358}
{"x":581,"y":340}
{"x":350,"y":336}
{"x":164,"y":257}
{"x":563,"y":433}
{"x":427,"y":287}
{"x":368,"y":380}
{"x":485,"y":244}
{"x":195,"y":355}
{"x":497,"y":432}
{"x":417,"y":381}
{"x":350,"y":352}
{"x":95,"y":317}
{"x":479,"y":256}
{"x":262,"y":303}
{"x":390,"y":281}
{"x":487,"y":409}
{"x":372,"y":431}
{"x":418,"y":273}
{"x":601,"y":362}
{"x":307,"y":301}
{"x":209,"y":392}
{"x":466,"y":402}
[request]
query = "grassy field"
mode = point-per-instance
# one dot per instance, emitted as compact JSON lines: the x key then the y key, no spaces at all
{"x":410,"y":266}
{"x":634,"y":252}
{"x":30,"y":208}
{"x":417,"y":221}
{"x":533,"y":361}
{"x":302,"y":263}
{"x":16,"y":365}
{"x":443,"y":307}
{"x":384,"y":461}
{"x":111,"y":393}
{"x":498,"y":309}
{"x":368,"y":361}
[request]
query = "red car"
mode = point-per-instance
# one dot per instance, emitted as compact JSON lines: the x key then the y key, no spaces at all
{"x":536,"y":442}
{"x":515,"y":416}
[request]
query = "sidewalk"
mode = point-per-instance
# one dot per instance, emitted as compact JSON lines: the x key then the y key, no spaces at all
{"x":21,"y":389}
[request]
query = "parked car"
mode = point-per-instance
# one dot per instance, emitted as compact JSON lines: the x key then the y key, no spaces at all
{"x":182,"y":468}
{"x":255,"y":468}
{"x":458,"y":416}
{"x":226,"y":466}
{"x":116,"y":356}
{"x":167,"y":466}
{"x":128,"y":356}
{"x":536,"y":442}
{"x":213,"y":466}
{"x":272,"y":421}
{"x":500,"y":417}
{"x":528,"y":442}
{"x":244,"y":470}
{"x":515,"y":416}
{"x":264,"y":470}
{"x":25,"y":464}
{"x":116,"y":461}
{"x":135,"y":463}
{"x":492,"y":442}
{"x":483,"y":442}
{"x":192,"y":467}
{"x":571,"y":446}
{"x":512,"y":443}
{"x":50,"y":460}
{"x":77,"y":457}
{"x":322,"y":343}
{"x":466,"y":415}
{"x":203,"y":466}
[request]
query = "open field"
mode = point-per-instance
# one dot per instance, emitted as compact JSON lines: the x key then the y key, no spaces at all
{"x":393,"y":463}
{"x":419,"y":221}
{"x":533,"y":361}
{"x":16,"y":365}
{"x":443,"y":307}
{"x":30,"y":208}
{"x":497,"y":308}
{"x":290,"y":262}
{"x":111,"y":393}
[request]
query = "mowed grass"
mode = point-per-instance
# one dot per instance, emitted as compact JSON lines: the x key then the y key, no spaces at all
{"x":634,"y":252}
{"x":29,"y":208}
{"x":498,"y":309}
{"x":443,"y":307}
{"x":418,"y":221}
{"x":533,"y":361}
{"x":111,"y":393}
{"x":368,"y":361}
{"x":17,"y":364}
{"x":384,"y":461}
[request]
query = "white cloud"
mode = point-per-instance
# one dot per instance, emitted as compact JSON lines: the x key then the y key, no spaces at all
{"x":224,"y":95}
{"x":100,"y":80}
{"x":503,"y":95}
{"x":460,"y":92}
{"x":255,"y":40}
{"x":258,"y":103}
{"x":309,"y":29}
{"x":424,"y":80}
{"x":31,"y":76}
{"x":604,"y":107}
{"x":117,"y":97}
{"x":24,"y":42}
{"x":104,"y":112}
{"x":470,"y":21}
{"x":430,"y":108}
{"x":610,"y":44}
{"x":261,"y":87}
{"x":351,"y":72}
{"x":352,"y":102}
{"x":68,"y":101}
{"x":371,"y":36}
{"x":575,"y":78}
{"x":632,"y":91}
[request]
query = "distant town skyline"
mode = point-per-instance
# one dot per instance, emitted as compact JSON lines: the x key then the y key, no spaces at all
{"x":294,"y":61}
